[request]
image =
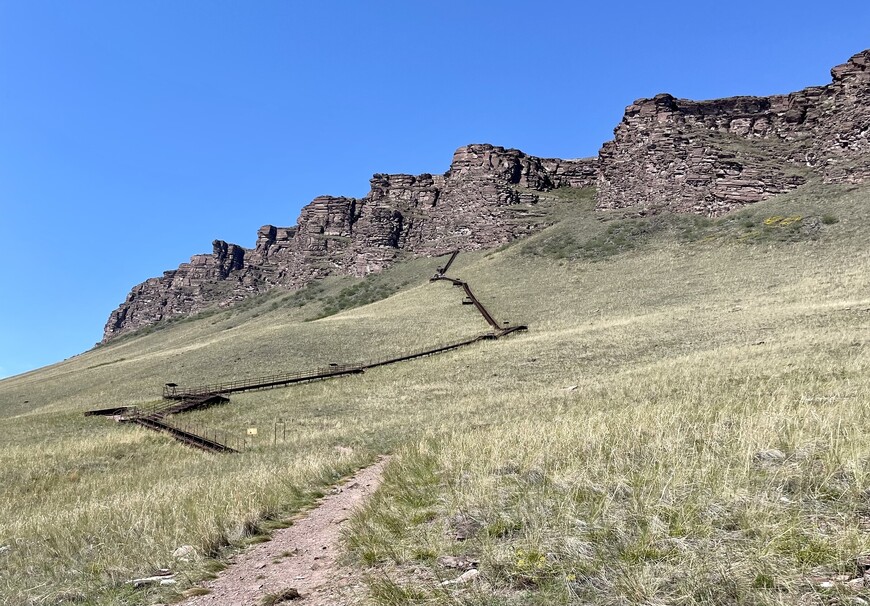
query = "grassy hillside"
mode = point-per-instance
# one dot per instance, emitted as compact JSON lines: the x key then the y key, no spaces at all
{"x":686,"y":422}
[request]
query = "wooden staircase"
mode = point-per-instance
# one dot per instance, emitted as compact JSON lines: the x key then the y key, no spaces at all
{"x":190,"y":438}
{"x":177,"y":399}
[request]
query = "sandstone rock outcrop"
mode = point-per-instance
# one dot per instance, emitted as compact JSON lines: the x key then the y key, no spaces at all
{"x":712,"y":156}
{"x":484,"y":199}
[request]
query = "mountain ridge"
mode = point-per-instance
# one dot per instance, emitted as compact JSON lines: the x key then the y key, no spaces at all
{"x":668,"y":154}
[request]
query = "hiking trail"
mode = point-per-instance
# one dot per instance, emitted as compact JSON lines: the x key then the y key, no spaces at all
{"x":302,"y":556}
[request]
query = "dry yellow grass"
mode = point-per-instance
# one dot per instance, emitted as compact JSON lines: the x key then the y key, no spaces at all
{"x":615,"y":453}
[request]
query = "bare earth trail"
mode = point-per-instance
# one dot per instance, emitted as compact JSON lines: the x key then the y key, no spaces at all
{"x":302,"y":556}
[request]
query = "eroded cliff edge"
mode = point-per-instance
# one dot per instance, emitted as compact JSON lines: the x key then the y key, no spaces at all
{"x":481,"y":201}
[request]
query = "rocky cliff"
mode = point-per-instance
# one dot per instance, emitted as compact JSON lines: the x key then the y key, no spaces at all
{"x":667,"y":154}
{"x":481,"y":201}
{"x":712,"y":156}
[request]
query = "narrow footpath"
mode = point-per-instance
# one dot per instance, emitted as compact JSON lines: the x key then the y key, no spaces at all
{"x":303,"y":556}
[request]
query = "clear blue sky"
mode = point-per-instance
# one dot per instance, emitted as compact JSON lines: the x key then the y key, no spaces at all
{"x":132,"y":134}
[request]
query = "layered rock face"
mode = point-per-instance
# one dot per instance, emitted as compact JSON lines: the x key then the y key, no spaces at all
{"x":712,"y":156}
{"x":483,"y":200}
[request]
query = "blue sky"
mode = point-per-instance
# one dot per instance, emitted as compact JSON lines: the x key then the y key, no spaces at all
{"x":132,"y":134}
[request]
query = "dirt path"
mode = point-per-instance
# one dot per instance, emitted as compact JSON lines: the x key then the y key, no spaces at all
{"x":302,"y":556}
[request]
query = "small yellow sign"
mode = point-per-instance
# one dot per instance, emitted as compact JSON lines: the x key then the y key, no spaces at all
{"x":252,"y":431}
